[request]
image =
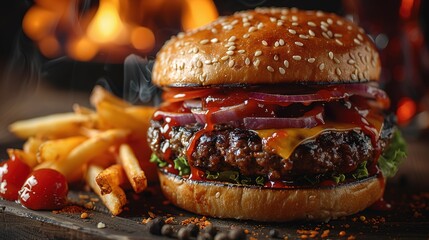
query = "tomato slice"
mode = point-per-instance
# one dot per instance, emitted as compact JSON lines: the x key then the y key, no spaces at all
{"x":44,"y":189}
{"x":13,"y":173}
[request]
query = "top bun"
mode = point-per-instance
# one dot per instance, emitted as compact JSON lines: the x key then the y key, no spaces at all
{"x":269,"y":46}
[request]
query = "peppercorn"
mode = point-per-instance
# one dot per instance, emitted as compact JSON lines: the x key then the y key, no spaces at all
{"x":237,"y":233}
{"x":274,"y":233}
{"x":221,"y":236}
{"x":183,"y":234}
{"x":167,"y":230}
{"x":155,"y":226}
{"x":193,"y":229}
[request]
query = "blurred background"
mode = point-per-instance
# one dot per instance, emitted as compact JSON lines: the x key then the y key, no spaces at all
{"x":52,"y":52}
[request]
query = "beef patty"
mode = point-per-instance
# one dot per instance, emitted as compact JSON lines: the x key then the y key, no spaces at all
{"x":230,"y":148}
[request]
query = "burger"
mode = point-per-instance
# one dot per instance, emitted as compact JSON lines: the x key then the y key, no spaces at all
{"x":273,"y":114}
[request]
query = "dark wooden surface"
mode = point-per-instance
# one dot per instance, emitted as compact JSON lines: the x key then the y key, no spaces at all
{"x":408,"y":193}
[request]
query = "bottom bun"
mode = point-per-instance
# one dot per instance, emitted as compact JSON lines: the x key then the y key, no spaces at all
{"x":226,"y":200}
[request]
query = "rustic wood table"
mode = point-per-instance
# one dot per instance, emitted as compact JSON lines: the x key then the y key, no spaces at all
{"x":408,"y":193}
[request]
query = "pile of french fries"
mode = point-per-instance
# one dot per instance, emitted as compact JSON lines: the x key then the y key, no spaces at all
{"x":106,"y":147}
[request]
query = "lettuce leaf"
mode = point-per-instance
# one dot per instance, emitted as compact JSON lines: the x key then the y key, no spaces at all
{"x":361,"y":171}
{"x":155,"y":159}
{"x":395,"y":153}
{"x":181,"y":164}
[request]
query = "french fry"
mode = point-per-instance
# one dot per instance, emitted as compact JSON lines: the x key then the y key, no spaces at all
{"x":58,"y":149}
{"x":131,"y":166}
{"x":51,"y":126}
{"x":78,"y":109}
{"x":116,"y":117}
{"x":111,"y":177}
{"x":32,"y":145}
{"x":99,"y":94}
{"x":27,"y":158}
{"x":143,"y":113}
{"x":115,"y":200}
{"x":89,"y":149}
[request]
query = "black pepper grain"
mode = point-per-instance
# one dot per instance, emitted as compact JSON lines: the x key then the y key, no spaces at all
{"x":193,"y":229}
{"x":237,"y":234}
{"x":183,"y":234}
{"x":167,"y":230}
{"x":221,"y":236}
{"x":274,"y":233}
{"x":210,"y":229}
{"x":204,"y":236}
{"x":155,"y":226}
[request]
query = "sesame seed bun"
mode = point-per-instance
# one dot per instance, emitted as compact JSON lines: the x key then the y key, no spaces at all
{"x":269,"y":46}
{"x":266,"y":204}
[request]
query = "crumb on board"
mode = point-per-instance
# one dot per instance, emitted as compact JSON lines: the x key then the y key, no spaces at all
{"x":101,"y":225}
{"x":200,"y":222}
{"x":84,"y":215}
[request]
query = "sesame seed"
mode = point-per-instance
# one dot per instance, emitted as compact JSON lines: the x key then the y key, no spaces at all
{"x":241,"y":51}
{"x":276,"y":44}
{"x":256,"y":62}
{"x":351,"y":61}
{"x":230,"y":53}
{"x":208,"y":62}
{"x":258,"y":53}
{"x":338,"y":35}
{"x":247,"y":61}
{"x":270,"y":69}
{"x":353,"y":76}
{"x":296,"y":57}
{"x":260,"y":25}
{"x":292,"y":31}
{"x":276,"y":57}
{"x":323,"y":23}
{"x":325,"y":35}
{"x":273,"y":19}
{"x":196,"y":50}
{"x":321,"y":66}
{"x":180,"y":34}
{"x":349,"y":27}
{"x":299,"y":44}
{"x":205,"y":41}
{"x":311,"y":33}
{"x":199,"y":64}
{"x":231,"y":48}
{"x":339,"y":42}
{"x":246,"y":24}
{"x":282,"y":70}
{"x":294,"y":18}
{"x":311,"y":60}
{"x":294,"y":24}
{"x":224,"y":58}
{"x":330,"y":34}
{"x":331,"y":55}
{"x":214,"y":40}
{"x":246,"y":35}
{"x":356,"y":41}
{"x":283,"y":17}
{"x":338,"y":71}
{"x":303,"y":36}
{"x":281,"y":42}
{"x":286,"y":63}
{"x":329,"y":21}
{"x":234,"y":22}
{"x":324,"y":28}
{"x":215,"y":60}
{"x":360,"y":37}
{"x":279,"y":23}
{"x":231,"y":63}
{"x":214,"y":30}
{"x":252,"y":29}
{"x":336,"y":60}
{"x":311,"y":24}
{"x":264,"y":43}
{"x":339,"y":22}
{"x":232,"y":39}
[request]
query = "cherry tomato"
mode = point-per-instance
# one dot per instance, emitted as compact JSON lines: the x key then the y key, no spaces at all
{"x":13,"y":173}
{"x":44,"y":189}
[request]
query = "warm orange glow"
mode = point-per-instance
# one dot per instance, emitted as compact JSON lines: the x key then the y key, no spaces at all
{"x":198,"y":13}
{"x":106,"y":25}
{"x":82,"y":49}
{"x":406,"y":8}
{"x":142,"y":38}
{"x":406,"y":110}
{"x":39,"y":22}
{"x":50,"y":47}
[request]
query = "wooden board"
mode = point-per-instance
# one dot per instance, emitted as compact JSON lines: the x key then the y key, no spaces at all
{"x":409,"y":217}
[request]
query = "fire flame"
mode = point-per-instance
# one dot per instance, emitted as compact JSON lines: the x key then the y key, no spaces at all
{"x":113,"y":29}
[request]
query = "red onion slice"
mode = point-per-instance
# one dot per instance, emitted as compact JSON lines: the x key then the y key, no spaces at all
{"x":368,"y":91}
{"x":311,"y":119}
{"x":179,"y":118}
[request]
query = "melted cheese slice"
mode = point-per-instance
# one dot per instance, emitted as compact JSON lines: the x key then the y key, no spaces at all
{"x":284,"y":141}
